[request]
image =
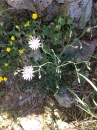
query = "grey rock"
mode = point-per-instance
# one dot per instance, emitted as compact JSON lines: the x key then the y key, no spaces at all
{"x":31,"y":124}
{"x":80,"y":11}
{"x":37,"y":54}
{"x":64,"y":98}
{"x":18,"y":4}
{"x":26,"y":4}
{"x":81,"y":51}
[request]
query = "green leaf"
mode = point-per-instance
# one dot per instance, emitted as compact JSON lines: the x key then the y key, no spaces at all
{"x":69,"y":20}
{"x":1,"y":94}
{"x":61,"y":21}
{"x":45,"y":31}
{"x":56,"y":38}
{"x":95,"y":88}
{"x":12,"y":32}
{"x":1,"y":32}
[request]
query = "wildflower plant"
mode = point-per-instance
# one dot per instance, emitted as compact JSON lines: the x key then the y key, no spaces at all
{"x":25,"y":37}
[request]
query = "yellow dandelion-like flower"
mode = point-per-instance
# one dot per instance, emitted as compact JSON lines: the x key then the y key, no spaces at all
{"x":10,"y":42}
{"x":1,"y":79}
{"x":21,"y":51}
{"x":17,"y":26}
{"x":8,"y":49}
{"x":13,"y":38}
{"x":27,"y":24}
{"x":5,"y":78}
{"x":2,"y":5}
{"x":34,"y":16}
{"x":30,"y":36}
{"x":6,"y":64}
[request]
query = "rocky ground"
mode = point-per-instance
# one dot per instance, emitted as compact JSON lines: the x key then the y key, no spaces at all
{"x":29,"y":109}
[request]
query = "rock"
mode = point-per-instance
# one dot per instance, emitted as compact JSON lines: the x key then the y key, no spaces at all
{"x":80,"y":11}
{"x":18,"y":4}
{"x":81,"y":51}
{"x":64,"y":98}
{"x":62,"y":125}
{"x":26,"y":4}
{"x":32,"y":123}
{"x":37,"y":55}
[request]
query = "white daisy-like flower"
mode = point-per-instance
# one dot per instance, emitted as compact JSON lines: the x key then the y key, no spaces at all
{"x":34,"y":43}
{"x":27,"y":73}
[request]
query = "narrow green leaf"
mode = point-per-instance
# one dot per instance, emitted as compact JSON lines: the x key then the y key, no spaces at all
{"x":89,"y":81}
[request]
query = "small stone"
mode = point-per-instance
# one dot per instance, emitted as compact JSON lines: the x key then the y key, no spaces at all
{"x":62,"y":125}
{"x":64,"y":98}
{"x":37,"y":54}
{"x":34,"y":123}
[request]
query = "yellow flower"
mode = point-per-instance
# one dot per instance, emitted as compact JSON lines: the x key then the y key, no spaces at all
{"x":17,"y":26}
{"x":30,"y":36}
{"x":27,"y":24}
{"x":8,"y":49}
{"x":34,"y":16}
{"x":10,"y":42}
{"x":6,"y":64}
{"x":5,"y":79}
{"x":13,"y":38}
{"x":21,"y":51}
{"x":2,"y":4}
{"x":1,"y":79}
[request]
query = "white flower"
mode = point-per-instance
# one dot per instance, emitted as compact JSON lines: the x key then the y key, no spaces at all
{"x":27,"y":72}
{"x":89,"y":29}
{"x":34,"y":43}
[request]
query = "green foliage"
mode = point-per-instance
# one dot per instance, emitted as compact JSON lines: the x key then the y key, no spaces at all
{"x":17,"y":33}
